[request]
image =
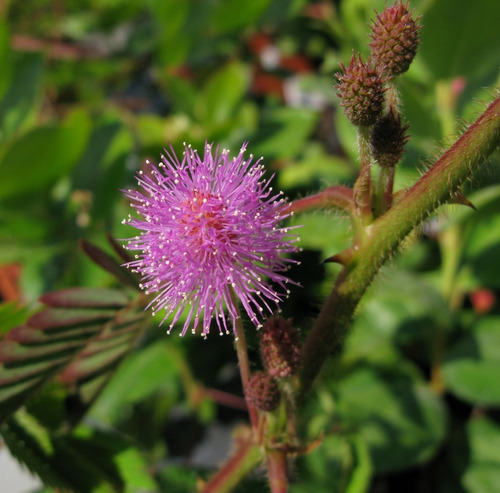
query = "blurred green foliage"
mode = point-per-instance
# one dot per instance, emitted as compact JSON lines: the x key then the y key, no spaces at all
{"x":90,"y":89}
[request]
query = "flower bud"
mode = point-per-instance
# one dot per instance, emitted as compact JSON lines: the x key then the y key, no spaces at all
{"x":362,"y":92}
{"x":280,"y":347}
{"x":263,"y":392}
{"x":395,"y":38}
{"x":388,"y":140}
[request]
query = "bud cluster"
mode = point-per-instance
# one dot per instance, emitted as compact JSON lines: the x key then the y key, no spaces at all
{"x":280,"y":353}
{"x":361,"y":88}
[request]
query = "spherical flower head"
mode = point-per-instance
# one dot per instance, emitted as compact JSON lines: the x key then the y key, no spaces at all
{"x":280,"y":347}
{"x":361,"y":91}
{"x":395,"y":39}
{"x":210,"y":235}
{"x":263,"y":392}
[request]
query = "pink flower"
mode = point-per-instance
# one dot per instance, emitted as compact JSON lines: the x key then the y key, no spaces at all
{"x":210,"y":235}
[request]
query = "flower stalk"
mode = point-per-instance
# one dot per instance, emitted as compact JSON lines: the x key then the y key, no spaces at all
{"x":244,"y":364}
{"x":339,"y":197}
{"x":277,"y":471}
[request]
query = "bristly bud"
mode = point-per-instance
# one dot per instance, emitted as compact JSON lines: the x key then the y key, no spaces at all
{"x":263,"y":392}
{"x":395,"y":38}
{"x":361,"y":92}
{"x":388,"y":140}
{"x":280,"y":347}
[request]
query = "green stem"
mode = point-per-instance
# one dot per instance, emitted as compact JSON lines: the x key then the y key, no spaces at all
{"x":392,"y":95}
{"x":383,"y":190}
{"x":385,"y":235}
{"x":362,"y":187}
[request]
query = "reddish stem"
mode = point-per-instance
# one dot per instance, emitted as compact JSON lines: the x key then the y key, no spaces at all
{"x":226,"y":399}
{"x":338,"y":196}
{"x":277,"y":470}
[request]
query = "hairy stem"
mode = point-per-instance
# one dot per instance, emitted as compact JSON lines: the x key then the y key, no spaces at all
{"x":243,"y":363}
{"x":383,"y":190}
{"x":339,"y":197}
{"x":277,"y":470}
{"x":362,"y":187}
{"x":385,"y":235}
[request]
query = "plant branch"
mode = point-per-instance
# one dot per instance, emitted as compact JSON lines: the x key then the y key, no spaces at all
{"x":362,"y":187}
{"x":277,"y":470}
{"x":336,"y":196}
{"x":244,"y":365}
{"x":386,"y":234}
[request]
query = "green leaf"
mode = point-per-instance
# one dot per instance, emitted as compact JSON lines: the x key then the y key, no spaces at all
{"x":459,"y":38}
{"x":347,"y":134}
{"x":17,"y":230}
{"x":18,"y":104}
{"x":85,"y":461}
{"x":355,"y":15}
{"x":284,"y":132}
{"x":40,"y":157}
{"x":223,"y":93}
{"x":472,"y":365}
{"x":170,"y":17}
{"x":340,"y":463}
{"x":182,"y":93}
{"x":401,"y":310}
{"x":133,"y":469}
{"x":178,"y":478}
{"x":5,"y":59}
{"x":362,"y":471}
{"x":149,"y":370}
{"x":230,"y":15}
{"x":11,"y":315}
{"x":402,"y":421}
{"x":481,"y":239}
{"x":315,"y":170}
{"x":482,"y":474}
{"x":88,"y":173}
{"x":324,"y":232}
